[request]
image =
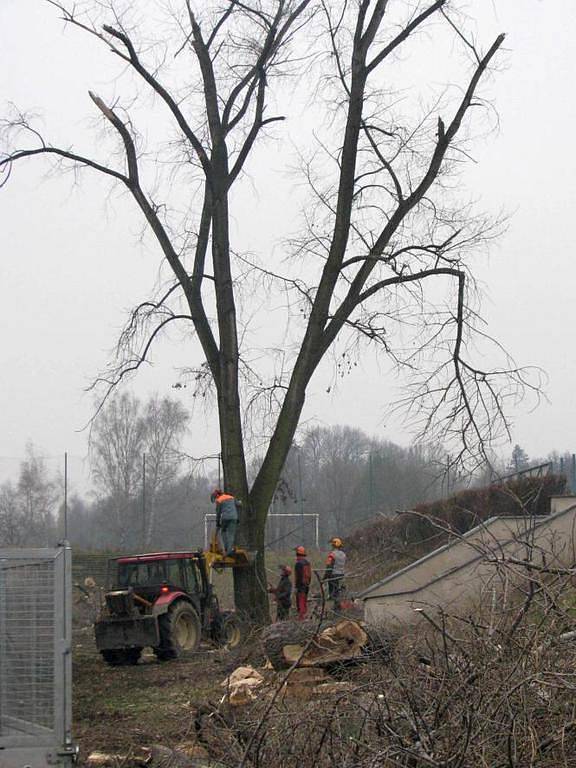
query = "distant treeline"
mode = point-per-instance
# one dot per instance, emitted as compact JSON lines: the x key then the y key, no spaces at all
{"x":148,"y":494}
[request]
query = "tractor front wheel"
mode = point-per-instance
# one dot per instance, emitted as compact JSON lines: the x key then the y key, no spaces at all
{"x":180,"y":630}
{"x":228,"y":630}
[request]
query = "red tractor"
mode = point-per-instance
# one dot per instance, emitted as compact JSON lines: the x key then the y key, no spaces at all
{"x":164,"y":601}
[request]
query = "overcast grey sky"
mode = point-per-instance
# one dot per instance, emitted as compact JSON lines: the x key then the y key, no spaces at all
{"x":72,"y":262}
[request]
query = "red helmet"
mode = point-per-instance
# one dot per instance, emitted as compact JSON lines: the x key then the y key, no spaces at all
{"x":300,"y":550}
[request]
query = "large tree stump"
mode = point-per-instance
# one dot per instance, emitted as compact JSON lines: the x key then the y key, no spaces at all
{"x":276,"y":636}
{"x":332,"y":644}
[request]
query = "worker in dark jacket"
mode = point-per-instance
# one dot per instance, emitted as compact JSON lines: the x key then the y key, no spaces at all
{"x":334,"y":572}
{"x":283,"y":593}
{"x":302,"y":579}
{"x":226,"y":518}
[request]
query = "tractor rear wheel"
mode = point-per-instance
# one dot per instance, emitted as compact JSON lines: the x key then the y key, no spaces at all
{"x":180,"y":630}
{"x":120,"y":657}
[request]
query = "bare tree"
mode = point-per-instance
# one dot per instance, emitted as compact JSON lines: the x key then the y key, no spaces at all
{"x":340,"y":455}
{"x":27,"y":510}
{"x":165,"y":422}
{"x":116,"y":447}
{"x":11,"y":522}
{"x":123,"y":433}
{"x":383,"y":229}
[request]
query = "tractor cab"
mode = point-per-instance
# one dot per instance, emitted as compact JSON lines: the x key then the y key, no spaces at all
{"x":153,"y":575}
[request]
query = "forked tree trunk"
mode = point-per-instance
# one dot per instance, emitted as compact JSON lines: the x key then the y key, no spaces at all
{"x":242,"y":105}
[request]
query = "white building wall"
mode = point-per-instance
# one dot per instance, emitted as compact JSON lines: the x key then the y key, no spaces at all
{"x":471,"y":569}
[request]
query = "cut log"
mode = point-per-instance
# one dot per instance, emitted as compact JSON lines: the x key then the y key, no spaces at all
{"x":156,"y":756}
{"x":101,"y":759}
{"x":276,"y":636}
{"x":333,"y":644}
{"x":345,"y":640}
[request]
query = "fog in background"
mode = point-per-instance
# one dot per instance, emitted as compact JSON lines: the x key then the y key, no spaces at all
{"x":74,"y":260}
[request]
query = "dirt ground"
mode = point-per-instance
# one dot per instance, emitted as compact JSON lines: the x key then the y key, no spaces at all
{"x":118,"y":708}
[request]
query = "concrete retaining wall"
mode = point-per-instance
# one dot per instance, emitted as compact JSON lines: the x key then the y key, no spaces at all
{"x":467,"y":570}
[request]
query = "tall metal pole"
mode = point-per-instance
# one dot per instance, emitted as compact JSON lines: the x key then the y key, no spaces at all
{"x":143,"y":500}
{"x":371,"y":482}
{"x":66,"y":496}
{"x":301,"y":494}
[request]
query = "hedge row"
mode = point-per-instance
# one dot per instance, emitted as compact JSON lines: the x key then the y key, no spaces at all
{"x":426,"y":526}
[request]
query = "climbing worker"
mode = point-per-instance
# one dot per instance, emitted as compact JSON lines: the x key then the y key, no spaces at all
{"x":283,"y":593}
{"x":226,"y":518}
{"x":302,"y":579}
{"x":334,"y":572}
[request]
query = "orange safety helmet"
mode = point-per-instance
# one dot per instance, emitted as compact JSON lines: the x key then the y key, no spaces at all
{"x":300,"y":550}
{"x":336,"y":542}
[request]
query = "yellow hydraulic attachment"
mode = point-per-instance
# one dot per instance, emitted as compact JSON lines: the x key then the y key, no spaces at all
{"x":215,"y":557}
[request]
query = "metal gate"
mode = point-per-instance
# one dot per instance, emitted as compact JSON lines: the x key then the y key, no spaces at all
{"x":35,"y":658}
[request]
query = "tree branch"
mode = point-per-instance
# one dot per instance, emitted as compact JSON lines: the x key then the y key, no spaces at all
{"x":9,"y":159}
{"x":445,"y":138}
{"x":198,"y":314}
{"x":162,"y":92}
{"x":406,"y":32}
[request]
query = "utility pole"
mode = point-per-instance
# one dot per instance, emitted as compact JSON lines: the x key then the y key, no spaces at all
{"x":371,"y":482}
{"x":65,"y":496}
{"x":143,"y":500}
{"x":300,"y":492}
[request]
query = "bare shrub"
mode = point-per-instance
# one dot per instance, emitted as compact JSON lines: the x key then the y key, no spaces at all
{"x":491,"y":687}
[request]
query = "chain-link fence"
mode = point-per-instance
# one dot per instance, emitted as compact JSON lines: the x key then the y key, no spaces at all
{"x":35,"y":657}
